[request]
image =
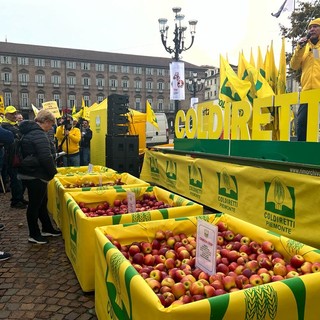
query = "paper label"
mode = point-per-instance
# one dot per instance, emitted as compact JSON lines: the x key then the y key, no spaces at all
{"x":90,"y":168}
{"x":206,"y":246}
{"x":131,"y":197}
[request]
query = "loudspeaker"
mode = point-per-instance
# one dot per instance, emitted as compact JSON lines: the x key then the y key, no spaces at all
{"x":122,"y":154}
{"x":117,"y":119}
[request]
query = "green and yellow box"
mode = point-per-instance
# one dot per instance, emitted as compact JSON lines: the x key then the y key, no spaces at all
{"x":72,"y":173}
{"x":80,"y":240}
{"x":81,"y":182}
{"x":121,"y":293}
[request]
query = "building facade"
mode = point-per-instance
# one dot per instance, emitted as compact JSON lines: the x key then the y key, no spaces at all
{"x":32,"y":74}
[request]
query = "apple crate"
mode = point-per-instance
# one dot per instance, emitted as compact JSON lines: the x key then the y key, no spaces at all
{"x":86,"y":182}
{"x":72,"y":173}
{"x":122,"y":293}
{"x":80,"y":238}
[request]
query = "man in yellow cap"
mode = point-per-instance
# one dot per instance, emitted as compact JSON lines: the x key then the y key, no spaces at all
{"x":306,"y":57}
{"x":10,"y":123}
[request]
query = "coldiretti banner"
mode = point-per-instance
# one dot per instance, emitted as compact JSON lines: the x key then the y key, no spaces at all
{"x":279,"y":201}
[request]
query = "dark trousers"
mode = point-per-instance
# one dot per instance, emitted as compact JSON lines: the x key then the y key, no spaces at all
{"x":15,"y":185}
{"x":37,"y":208}
{"x":302,"y":122}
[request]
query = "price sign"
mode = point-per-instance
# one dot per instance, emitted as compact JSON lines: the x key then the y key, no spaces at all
{"x":206,"y":246}
{"x":131,"y":197}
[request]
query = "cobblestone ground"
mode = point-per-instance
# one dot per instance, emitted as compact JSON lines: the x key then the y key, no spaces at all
{"x":38,"y":281}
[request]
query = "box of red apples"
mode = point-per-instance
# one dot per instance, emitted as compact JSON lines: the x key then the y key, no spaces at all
{"x":95,"y":181}
{"x":87,"y":210}
{"x":147,"y":270}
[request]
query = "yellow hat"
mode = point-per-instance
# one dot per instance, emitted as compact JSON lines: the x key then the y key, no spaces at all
{"x":10,"y":109}
{"x":315,"y":21}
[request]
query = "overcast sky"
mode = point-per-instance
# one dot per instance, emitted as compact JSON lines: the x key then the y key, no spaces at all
{"x":131,"y":26}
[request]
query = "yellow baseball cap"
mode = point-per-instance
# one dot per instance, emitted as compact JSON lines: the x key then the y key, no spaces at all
{"x":10,"y":109}
{"x":315,"y":21}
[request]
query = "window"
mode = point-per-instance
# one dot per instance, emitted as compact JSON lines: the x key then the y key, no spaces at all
{"x":160,"y":104}
{"x":5,"y":59}
{"x":160,"y":86}
{"x":6,"y":77}
{"x":55,"y":64}
{"x":40,"y":78}
{"x":149,"y":85}
{"x":113,"y":83}
{"x":86,"y":99}
{"x":125,"y":69}
{"x":85,"y":66}
{"x":171,"y":106}
{"x":138,"y":103}
{"x":56,"y":98}
{"x":149,"y":71}
{"x":22,"y":61}
{"x":113,"y":68}
{"x":99,"y":67}
{"x":55,"y":79}
{"x":24,"y":100}
{"x":71,"y":80}
{"x":160,"y":72}
{"x":137,"y":70}
{"x":86,"y":81}
{"x":71,"y":65}
{"x":40,"y":99}
{"x":71,"y":101}
{"x":125,"y":83}
{"x":100,"y":82}
{"x":23,"y":78}
{"x":137,"y":84}
{"x":39,"y":63}
{"x":7,"y":98}
{"x":100,"y":99}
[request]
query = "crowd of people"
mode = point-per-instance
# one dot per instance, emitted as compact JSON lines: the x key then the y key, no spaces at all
{"x":40,"y":139}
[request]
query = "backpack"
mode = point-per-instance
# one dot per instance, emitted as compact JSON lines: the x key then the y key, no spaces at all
{"x":17,"y":155}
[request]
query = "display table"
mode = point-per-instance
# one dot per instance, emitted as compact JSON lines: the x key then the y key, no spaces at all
{"x":280,"y":197}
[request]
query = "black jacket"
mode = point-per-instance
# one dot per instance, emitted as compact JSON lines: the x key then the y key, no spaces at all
{"x":36,"y":142}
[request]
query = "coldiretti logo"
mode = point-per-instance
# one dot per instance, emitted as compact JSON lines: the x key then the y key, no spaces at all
{"x":171,"y":171}
{"x":154,"y":165}
{"x":195,"y":180}
{"x":228,"y":191}
{"x":279,"y":205}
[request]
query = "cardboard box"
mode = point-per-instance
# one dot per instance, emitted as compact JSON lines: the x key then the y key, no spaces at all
{"x":80,"y":240}
{"x":121,"y":293}
{"x":80,"y":182}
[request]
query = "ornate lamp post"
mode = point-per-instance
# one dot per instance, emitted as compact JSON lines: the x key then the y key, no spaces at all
{"x":179,"y":37}
{"x":195,"y":84}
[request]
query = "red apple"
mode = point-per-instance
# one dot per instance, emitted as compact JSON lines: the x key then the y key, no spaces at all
{"x":197,"y":288}
{"x":267,"y":246}
{"x":178,"y":289}
{"x":279,"y":269}
{"x":229,"y":282}
{"x":255,"y":280}
{"x":315,"y":267}
{"x":297,"y":260}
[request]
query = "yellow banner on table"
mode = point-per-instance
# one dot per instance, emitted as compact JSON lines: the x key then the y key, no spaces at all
{"x":273,"y":199}
{"x":80,"y":240}
{"x":53,"y":107}
{"x":121,"y":290}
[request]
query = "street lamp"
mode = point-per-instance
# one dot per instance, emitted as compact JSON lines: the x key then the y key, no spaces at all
{"x":195,"y":84}
{"x":179,"y":37}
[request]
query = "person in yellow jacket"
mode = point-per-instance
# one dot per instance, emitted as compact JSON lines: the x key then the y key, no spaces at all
{"x":69,"y":138}
{"x":306,"y":57}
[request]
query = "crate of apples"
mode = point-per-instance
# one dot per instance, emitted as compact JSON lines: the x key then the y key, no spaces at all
{"x":257,"y":273}
{"x":87,"y":210}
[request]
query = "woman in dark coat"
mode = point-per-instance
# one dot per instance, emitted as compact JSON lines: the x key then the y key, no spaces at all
{"x":36,"y":170}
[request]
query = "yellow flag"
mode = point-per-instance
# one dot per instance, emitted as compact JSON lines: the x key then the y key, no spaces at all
{"x":53,"y":107}
{"x":271,"y":69}
{"x":232,"y":88}
{"x":82,"y":103}
{"x":282,"y":73}
{"x":74,"y":110}
{"x":35,"y":110}
{"x":1,"y":104}
{"x":151,"y":117}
